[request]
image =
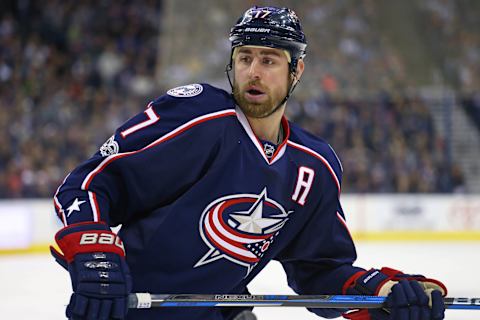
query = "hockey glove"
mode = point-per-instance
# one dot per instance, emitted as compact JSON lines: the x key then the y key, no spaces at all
{"x":409,"y":297}
{"x":95,"y":258}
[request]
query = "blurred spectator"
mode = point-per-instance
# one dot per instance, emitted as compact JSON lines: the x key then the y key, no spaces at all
{"x":471,"y":104}
{"x":386,"y":144}
{"x":70,"y":73}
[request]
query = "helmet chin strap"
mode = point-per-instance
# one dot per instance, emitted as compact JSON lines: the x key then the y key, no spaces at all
{"x":291,"y":87}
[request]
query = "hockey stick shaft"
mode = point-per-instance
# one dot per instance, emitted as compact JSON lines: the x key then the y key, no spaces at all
{"x":147,"y":300}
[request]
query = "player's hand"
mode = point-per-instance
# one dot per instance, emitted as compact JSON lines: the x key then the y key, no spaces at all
{"x":95,"y":259}
{"x":412,"y":300}
{"x":409,"y":297}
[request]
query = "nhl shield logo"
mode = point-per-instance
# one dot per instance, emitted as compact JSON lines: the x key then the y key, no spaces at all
{"x":241,"y":228}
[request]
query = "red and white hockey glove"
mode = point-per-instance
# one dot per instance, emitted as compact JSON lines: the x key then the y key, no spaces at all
{"x":95,"y":258}
{"x":409,"y":297}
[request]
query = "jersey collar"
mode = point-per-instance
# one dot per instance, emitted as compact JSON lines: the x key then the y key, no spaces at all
{"x":256,"y":141}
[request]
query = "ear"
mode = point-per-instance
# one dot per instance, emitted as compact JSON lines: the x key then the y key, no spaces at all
{"x":300,"y":68}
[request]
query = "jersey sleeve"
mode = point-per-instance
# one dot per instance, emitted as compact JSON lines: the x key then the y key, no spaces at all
{"x":321,"y":258}
{"x":149,"y":161}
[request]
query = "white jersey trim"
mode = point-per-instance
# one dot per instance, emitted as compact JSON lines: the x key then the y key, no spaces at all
{"x":93,"y":205}
{"x":321,"y":158}
{"x":246,"y":125}
{"x":342,"y":220}
{"x":61,"y":213}
{"x":167,"y":136}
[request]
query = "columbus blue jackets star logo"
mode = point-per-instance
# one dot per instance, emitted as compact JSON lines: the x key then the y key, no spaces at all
{"x":241,"y":228}
{"x":75,"y":206}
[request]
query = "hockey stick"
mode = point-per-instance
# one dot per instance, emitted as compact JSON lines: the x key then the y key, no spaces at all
{"x":147,"y":300}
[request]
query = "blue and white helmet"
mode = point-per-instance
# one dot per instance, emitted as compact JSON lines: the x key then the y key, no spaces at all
{"x":271,"y":27}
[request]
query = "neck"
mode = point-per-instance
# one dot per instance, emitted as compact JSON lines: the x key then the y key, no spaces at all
{"x":268,"y":128}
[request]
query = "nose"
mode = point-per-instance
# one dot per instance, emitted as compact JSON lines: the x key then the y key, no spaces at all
{"x":254,"y":69}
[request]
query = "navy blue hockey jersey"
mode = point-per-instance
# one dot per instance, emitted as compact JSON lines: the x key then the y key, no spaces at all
{"x":204,"y":208}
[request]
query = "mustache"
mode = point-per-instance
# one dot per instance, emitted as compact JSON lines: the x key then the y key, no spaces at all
{"x":237,"y":88}
{"x":257,"y":84}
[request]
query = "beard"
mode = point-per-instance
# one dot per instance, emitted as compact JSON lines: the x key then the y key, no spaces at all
{"x":257,"y":109}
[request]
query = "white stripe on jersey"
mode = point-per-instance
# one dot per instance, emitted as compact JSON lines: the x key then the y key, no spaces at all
{"x":321,"y":158}
{"x":338,"y":159}
{"x":58,"y":204}
{"x":93,"y":205}
{"x":246,"y":125}
{"x":167,"y":136}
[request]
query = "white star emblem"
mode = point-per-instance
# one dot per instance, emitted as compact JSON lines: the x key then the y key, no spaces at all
{"x":75,"y":206}
{"x":253,"y":221}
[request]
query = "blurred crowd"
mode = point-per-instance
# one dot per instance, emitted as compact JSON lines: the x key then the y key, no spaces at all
{"x":453,"y":28}
{"x":72,"y":71}
{"x":386,"y":144}
{"x":355,"y":48}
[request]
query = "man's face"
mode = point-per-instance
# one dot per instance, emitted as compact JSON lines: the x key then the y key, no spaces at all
{"x":261,"y":79}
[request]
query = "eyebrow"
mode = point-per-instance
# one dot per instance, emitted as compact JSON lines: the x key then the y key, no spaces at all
{"x":263,"y":52}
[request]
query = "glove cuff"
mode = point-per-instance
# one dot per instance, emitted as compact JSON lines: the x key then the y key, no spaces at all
{"x":370,"y":282}
{"x":88,"y":237}
{"x":367,"y":282}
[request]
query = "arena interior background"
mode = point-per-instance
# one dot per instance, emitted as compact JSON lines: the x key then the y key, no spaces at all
{"x":394,"y":86}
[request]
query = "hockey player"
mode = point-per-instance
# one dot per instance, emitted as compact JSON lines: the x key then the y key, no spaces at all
{"x":210,"y":186}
